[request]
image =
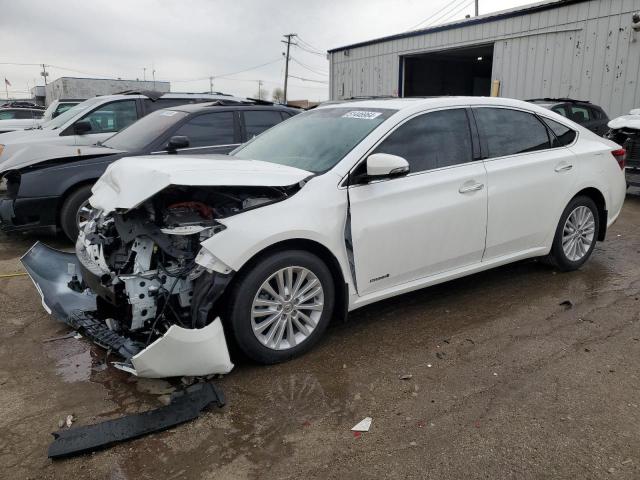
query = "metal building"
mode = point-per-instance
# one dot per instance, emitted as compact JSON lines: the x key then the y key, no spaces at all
{"x":581,"y":49}
{"x":82,"y":88}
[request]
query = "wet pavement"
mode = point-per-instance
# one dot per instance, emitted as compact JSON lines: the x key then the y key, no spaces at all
{"x":505,"y":383}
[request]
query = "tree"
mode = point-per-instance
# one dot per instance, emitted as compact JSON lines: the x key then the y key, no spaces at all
{"x":278,"y":95}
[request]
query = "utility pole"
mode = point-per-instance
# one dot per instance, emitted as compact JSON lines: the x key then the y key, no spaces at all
{"x":210,"y":84}
{"x":144,"y":74}
{"x":476,"y":2}
{"x":44,"y":74}
{"x":259,"y":89}
{"x":286,"y":65}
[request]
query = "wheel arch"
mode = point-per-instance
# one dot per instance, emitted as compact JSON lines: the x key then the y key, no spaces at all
{"x":598,"y":198}
{"x":312,"y":246}
{"x":70,"y":190}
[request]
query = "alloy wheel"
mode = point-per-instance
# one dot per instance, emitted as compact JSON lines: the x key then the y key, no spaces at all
{"x":83,"y":215}
{"x":578,"y":233}
{"x":287,"y":308}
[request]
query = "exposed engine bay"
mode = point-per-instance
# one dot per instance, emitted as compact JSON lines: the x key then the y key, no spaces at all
{"x":135,"y":286}
{"x":142,"y":263}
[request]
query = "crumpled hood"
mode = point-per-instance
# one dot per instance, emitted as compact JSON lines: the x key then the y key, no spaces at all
{"x":26,"y":154}
{"x":132,"y":180}
{"x":626,"y":121}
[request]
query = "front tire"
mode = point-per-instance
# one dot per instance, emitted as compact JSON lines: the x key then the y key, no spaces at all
{"x":281,"y":306}
{"x":75,"y":212}
{"x":576,"y":234}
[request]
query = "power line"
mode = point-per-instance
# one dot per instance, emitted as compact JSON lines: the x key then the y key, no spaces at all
{"x":452,"y":8}
{"x":311,"y":69}
{"x":462,"y":9}
{"x":323,"y":55}
{"x":27,"y":64}
{"x":430,"y":17}
{"x":310,"y":46}
{"x":228,"y":74}
{"x":309,"y":79}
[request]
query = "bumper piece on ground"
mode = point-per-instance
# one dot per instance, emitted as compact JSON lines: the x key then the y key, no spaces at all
{"x":179,"y":352}
{"x":200,"y":351}
{"x":186,"y":405}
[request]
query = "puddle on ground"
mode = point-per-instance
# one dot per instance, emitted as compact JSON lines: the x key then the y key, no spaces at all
{"x":74,"y":359}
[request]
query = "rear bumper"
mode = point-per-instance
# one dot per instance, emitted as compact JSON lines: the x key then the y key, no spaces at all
{"x":28,"y":214}
{"x":179,"y":352}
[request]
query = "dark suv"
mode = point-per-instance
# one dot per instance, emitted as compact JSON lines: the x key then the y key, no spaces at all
{"x":582,"y":112}
{"x":53,"y":191}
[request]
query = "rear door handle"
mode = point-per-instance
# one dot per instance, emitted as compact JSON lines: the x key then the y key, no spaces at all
{"x":563,"y":168}
{"x":471,"y":188}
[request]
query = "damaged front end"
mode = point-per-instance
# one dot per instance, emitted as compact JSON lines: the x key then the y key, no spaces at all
{"x":140,"y":285}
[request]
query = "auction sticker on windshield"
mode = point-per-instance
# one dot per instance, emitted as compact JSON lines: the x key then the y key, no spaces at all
{"x":362,"y":115}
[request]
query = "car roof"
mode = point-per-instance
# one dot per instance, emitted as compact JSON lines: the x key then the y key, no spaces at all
{"x":233,"y":105}
{"x":172,"y":96}
{"x":421,"y":103}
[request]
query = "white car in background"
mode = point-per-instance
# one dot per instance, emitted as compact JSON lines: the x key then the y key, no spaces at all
{"x":97,"y":119}
{"x":336,"y":208}
{"x":24,"y":118}
{"x":19,"y":118}
{"x":57,"y":108}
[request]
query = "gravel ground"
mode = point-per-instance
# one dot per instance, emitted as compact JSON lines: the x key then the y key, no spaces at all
{"x":505,"y":383}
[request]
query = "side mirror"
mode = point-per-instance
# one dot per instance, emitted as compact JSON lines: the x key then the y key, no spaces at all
{"x":385,"y":165}
{"x":177,"y":142}
{"x":82,"y":127}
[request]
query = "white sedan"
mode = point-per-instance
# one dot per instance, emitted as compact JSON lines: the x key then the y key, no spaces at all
{"x":331,"y":210}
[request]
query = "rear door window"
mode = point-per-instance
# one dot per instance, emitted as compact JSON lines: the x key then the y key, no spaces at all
{"x":7,"y":114}
{"x":433,"y":140}
{"x":510,"y":132}
{"x":580,"y":114}
{"x":209,"y":129}
{"x":257,"y":121}
{"x":25,"y":114}
{"x":560,"y":109}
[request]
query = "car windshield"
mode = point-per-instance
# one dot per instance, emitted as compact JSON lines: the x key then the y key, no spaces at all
{"x":144,"y":131}
{"x":77,"y":110}
{"x":315,"y":140}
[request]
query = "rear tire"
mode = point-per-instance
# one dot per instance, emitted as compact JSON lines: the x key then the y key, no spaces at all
{"x":69,"y":213}
{"x":576,"y":235}
{"x":259,"y":296}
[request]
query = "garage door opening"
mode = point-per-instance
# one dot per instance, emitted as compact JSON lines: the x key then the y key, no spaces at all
{"x":463,"y":71}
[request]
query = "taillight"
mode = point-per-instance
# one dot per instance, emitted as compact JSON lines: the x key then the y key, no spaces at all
{"x":620,"y":155}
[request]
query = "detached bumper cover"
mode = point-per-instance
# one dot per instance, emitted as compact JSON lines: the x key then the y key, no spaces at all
{"x":181,"y":351}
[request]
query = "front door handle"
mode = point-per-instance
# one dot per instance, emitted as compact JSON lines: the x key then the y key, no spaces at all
{"x":471,"y":188}
{"x":563,"y":168}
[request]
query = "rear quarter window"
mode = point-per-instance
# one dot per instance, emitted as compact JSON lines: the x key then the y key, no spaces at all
{"x":563,"y":136}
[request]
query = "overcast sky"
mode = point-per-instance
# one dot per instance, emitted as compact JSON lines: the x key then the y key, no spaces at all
{"x":189,"y":40}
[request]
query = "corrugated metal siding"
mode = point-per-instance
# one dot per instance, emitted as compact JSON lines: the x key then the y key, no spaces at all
{"x":584,"y":50}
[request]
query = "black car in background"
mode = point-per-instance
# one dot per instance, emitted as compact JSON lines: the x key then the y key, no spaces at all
{"x":52,"y":192}
{"x":582,"y":112}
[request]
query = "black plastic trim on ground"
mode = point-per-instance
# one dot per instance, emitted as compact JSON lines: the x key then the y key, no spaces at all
{"x":186,"y":405}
